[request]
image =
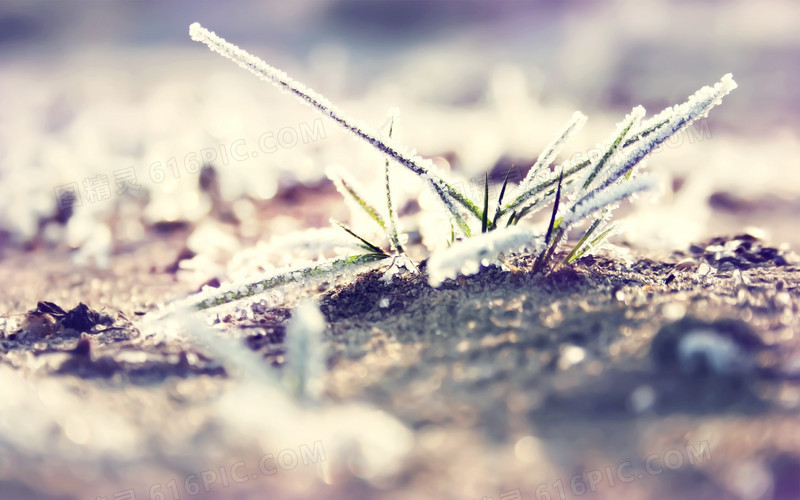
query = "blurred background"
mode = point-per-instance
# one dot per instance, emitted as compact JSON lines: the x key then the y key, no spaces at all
{"x":104,"y":102}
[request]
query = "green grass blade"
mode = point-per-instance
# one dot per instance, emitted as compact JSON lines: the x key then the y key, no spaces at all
{"x":569,"y":174}
{"x":592,"y":244}
{"x":644,"y":133}
{"x":448,"y":190}
{"x":574,"y":252}
{"x":633,"y":119}
{"x":347,"y":188}
{"x":540,"y":202}
{"x":555,"y":210}
{"x":366,"y":244}
{"x":547,"y":253}
{"x":550,"y":244}
{"x":456,"y":218}
{"x":512,"y":219}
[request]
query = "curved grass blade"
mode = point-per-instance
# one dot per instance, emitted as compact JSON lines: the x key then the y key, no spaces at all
{"x":678,"y":117}
{"x":512,"y":219}
{"x":547,"y":253}
{"x":644,"y":133}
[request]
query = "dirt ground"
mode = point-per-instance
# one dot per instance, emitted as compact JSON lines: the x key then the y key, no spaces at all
{"x":623,"y":376}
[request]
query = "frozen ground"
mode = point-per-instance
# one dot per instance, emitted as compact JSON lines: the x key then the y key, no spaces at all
{"x":502,"y":383}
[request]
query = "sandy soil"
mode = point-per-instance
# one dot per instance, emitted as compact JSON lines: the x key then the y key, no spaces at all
{"x":623,"y":376}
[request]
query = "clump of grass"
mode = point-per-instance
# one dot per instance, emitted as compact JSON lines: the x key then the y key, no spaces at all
{"x":582,"y":191}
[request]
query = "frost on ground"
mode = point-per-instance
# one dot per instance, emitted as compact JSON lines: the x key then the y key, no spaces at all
{"x":465,"y":388}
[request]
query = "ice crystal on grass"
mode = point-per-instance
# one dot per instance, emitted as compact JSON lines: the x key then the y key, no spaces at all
{"x":549,"y":155}
{"x":469,"y":255}
{"x":611,"y":146}
{"x":674,"y":120}
{"x":580,"y":190}
{"x":298,"y":275}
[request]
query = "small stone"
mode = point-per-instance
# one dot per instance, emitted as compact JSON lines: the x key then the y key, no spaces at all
{"x":570,"y":355}
{"x":703,"y":350}
{"x":39,"y":325}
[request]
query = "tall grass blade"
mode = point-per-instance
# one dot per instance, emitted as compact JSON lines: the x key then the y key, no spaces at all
{"x":500,"y":198}
{"x":555,"y":210}
{"x":422,"y":167}
{"x":393,"y":224}
{"x":569,"y":174}
{"x":485,"y":218}
{"x":549,"y":245}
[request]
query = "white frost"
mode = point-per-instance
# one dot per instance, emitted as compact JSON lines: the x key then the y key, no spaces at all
{"x":608,"y":198}
{"x":423,"y":167}
{"x":305,"y":352}
{"x":467,"y":256}
{"x":551,"y":151}
{"x":677,"y":118}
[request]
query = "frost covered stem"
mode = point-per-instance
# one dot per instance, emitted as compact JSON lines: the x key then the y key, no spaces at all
{"x":418,"y":165}
{"x":678,"y":118}
{"x":392,"y":215}
{"x":239,"y":292}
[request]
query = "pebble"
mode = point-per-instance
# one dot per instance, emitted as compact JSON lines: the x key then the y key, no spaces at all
{"x":723,"y":348}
